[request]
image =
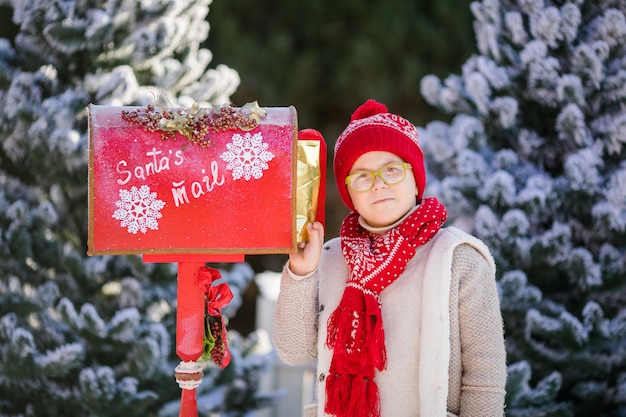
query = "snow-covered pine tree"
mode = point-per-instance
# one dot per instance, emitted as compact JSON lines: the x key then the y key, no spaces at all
{"x":86,"y":336}
{"x":533,"y":162}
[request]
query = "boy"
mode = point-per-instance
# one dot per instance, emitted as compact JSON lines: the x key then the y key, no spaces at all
{"x":401,"y":314}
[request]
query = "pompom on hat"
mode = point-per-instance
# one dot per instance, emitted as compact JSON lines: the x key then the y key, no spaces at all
{"x":373,"y":128}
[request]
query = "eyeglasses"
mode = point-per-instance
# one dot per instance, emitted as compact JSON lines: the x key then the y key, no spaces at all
{"x":390,"y":174}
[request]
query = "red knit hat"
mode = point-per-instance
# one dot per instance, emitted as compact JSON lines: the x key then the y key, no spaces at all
{"x":373,"y":128}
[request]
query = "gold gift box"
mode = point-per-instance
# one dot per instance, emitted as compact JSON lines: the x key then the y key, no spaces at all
{"x":311,"y":181}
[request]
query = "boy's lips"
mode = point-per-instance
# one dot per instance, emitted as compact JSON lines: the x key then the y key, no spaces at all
{"x":383,"y":200}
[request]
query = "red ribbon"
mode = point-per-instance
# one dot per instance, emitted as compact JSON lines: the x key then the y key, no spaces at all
{"x":216,"y":297}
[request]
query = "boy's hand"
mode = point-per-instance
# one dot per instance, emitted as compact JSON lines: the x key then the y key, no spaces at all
{"x":307,"y":257}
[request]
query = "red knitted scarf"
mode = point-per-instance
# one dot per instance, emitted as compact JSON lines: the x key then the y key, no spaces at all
{"x":355,"y":328}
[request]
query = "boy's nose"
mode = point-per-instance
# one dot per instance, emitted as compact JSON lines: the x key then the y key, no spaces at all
{"x":378,"y":183}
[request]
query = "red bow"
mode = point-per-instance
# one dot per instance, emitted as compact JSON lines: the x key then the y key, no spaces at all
{"x":216,"y":296}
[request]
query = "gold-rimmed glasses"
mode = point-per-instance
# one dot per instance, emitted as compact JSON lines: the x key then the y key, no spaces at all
{"x":390,"y":174}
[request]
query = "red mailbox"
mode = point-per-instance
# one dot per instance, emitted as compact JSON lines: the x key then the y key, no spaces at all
{"x":200,"y":185}
{"x":152,"y":193}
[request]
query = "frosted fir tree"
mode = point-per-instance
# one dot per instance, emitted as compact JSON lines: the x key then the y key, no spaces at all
{"x":86,"y":336}
{"x":532,"y":162}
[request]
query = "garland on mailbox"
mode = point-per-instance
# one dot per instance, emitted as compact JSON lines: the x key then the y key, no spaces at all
{"x":195,"y":123}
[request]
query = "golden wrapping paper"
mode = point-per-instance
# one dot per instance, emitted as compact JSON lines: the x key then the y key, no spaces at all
{"x":309,"y":176}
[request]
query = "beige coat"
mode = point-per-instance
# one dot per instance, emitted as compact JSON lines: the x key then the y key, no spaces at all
{"x":443,"y":329}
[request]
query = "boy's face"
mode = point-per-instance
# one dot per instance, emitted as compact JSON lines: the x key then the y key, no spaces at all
{"x":383,"y":204}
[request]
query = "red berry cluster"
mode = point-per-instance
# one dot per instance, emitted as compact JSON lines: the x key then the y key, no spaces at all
{"x":218,"y":352}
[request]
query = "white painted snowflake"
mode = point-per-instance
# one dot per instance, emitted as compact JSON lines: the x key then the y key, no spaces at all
{"x":138,"y":209}
{"x":247,"y":156}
